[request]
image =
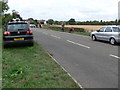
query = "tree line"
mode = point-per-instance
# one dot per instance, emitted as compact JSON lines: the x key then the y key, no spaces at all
{"x":74,"y":22}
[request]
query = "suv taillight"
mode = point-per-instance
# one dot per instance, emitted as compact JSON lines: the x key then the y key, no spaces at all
{"x":6,"y":33}
{"x":29,"y":32}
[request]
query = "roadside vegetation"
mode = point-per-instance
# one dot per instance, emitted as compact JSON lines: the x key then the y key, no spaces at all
{"x":81,"y":31}
{"x":87,"y":28}
{"x":31,"y":67}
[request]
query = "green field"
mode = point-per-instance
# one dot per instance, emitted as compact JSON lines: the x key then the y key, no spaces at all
{"x":31,"y":67}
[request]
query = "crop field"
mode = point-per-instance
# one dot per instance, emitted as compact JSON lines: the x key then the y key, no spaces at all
{"x":86,"y":27}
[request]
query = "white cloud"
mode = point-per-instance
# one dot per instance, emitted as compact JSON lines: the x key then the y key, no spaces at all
{"x":66,"y":9}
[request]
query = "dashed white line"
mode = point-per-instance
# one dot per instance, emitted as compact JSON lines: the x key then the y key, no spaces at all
{"x":114,"y":56}
{"x":55,"y":36}
{"x":78,"y":44}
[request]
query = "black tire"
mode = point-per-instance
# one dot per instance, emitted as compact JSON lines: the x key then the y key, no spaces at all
{"x":112,"y":41}
{"x":94,"y":38}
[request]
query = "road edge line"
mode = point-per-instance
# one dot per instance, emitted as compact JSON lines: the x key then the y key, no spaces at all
{"x":66,"y":71}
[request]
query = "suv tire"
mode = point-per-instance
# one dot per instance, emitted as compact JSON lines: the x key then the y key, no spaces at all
{"x":94,"y":38}
{"x":112,"y":41}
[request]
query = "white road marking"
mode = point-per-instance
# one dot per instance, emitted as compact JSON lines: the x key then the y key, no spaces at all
{"x":78,"y":44}
{"x":66,"y":72}
{"x":55,"y":36}
{"x":114,"y":56}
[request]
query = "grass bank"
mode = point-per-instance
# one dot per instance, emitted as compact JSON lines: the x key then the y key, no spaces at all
{"x":31,"y":67}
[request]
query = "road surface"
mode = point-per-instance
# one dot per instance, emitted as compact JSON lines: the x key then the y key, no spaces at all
{"x":93,"y":64}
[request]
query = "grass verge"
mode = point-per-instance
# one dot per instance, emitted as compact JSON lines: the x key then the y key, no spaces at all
{"x":31,"y":67}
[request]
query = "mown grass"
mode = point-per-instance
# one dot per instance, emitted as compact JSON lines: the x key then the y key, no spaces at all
{"x":31,"y":67}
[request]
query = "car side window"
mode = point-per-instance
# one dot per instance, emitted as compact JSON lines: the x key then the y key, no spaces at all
{"x":101,"y":29}
{"x":108,"y":29}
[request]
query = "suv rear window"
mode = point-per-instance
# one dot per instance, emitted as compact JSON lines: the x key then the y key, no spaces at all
{"x":17,"y":26}
{"x":116,"y":29}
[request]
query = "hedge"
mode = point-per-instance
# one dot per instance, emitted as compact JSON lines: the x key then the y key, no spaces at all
{"x":66,"y":29}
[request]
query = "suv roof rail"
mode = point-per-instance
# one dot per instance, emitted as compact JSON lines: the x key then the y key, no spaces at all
{"x":17,"y":20}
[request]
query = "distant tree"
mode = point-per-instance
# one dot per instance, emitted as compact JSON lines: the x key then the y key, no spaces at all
{"x":30,"y":19}
{"x":119,"y":22}
{"x":56,"y":22}
{"x":101,"y":21}
{"x":16,"y":14}
{"x":72,"y":21}
{"x":36,"y":21}
{"x":50,"y":21}
{"x":116,"y":21}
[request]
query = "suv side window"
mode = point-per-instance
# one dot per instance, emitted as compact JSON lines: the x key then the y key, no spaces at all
{"x":101,"y":29}
{"x":108,"y":29}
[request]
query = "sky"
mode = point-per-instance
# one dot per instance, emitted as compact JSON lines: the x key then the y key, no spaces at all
{"x":63,"y":10}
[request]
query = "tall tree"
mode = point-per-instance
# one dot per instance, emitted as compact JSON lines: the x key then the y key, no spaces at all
{"x":72,"y":21}
{"x":50,"y":21}
{"x":16,"y":14}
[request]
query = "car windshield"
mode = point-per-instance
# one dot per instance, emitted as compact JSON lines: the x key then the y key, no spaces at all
{"x":14,"y":27}
{"x":116,"y":29}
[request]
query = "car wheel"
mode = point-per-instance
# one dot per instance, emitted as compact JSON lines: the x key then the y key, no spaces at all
{"x":94,"y":38}
{"x":112,"y":41}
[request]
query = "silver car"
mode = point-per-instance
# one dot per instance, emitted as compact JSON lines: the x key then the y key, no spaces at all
{"x":107,"y":33}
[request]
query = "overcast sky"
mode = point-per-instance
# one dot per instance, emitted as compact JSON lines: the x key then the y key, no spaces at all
{"x":80,"y":10}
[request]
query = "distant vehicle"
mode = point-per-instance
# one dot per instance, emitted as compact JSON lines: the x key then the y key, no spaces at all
{"x":107,"y":33}
{"x":32,"y":25}
{"x":17,"y":32}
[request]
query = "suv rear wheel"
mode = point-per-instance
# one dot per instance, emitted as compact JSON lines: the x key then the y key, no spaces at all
{"x":112,"y":41}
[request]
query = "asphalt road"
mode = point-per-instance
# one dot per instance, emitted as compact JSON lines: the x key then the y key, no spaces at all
{"x":93,"y":64}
